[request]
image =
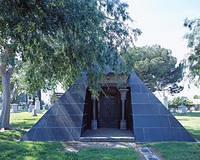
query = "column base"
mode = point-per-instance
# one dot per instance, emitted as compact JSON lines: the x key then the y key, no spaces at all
{"x":94,"y":124}
{"x":123,"y":124}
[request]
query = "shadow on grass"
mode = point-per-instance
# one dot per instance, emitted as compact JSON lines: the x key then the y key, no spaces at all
{"x":192,"y":114}
{"x":195,"y":133}
{"x":54,"y":151}
{"x":37,"y":151}
{"x":11,"y":135}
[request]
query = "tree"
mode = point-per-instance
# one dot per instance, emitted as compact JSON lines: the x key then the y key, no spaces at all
{"x":196,"y":97}
{"x":156,"y":66}
{"x":180,"y":101}
{"x":193,"y":38}
{"x":54,"y":41}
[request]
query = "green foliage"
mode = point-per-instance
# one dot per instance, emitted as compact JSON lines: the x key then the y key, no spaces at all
{"x":196,"y":97}
{"x":57,"y":40}
{"x":180,"y":101}
{"x":155,"y":65}
{"x":193,"y":38}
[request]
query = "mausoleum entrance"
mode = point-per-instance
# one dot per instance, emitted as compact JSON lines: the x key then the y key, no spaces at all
{"x":108,"y":115}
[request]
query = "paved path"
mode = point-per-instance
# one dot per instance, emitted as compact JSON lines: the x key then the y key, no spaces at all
{"x":145,"y":152}
{"x":76,"y":146}
{"x":148,"y":154}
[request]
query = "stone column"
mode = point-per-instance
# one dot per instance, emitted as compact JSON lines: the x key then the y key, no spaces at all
{"x":123,"y":99}
{"x":94,"y":121}
{"x":98,"y":107}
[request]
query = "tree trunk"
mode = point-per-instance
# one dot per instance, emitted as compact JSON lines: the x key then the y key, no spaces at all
{"x":5,"y":115}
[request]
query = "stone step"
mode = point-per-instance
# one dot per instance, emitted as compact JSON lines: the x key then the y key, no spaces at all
{"x":107,"y":139}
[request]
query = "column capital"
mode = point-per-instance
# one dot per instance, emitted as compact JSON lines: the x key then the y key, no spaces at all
{"x":93,"y":97}
{"x":123,"y":92}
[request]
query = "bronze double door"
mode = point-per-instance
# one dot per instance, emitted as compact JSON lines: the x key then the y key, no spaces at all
{"x":108,"y":112}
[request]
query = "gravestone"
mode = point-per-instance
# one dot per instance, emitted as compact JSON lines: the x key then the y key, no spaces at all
{"x":37,"y":104}
{"x":14,"y":108}
{"x":182,"y":109}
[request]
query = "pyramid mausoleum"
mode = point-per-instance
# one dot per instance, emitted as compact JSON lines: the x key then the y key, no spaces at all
{"x":125,"y":107}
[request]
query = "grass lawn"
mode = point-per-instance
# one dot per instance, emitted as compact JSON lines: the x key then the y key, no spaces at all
{"x":178,"y":151}
{"x":191,"y":121}
{"x":11,"y":149}
{"x":20,"y":122}
{"x":183,"y":151}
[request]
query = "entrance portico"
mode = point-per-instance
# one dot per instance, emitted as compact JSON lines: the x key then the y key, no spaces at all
{"x":111,"y":110}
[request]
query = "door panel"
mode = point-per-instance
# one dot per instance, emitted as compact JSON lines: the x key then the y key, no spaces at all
{"x":108,"y":112}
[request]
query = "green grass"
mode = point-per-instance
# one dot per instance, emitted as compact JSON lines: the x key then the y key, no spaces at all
{"x":178,"y":151}
{"x":24,"y":120}
{"x":107,"y":154}
{"x":20,"y":122}
{"x":191,"y":121}
{"x":11,"y":149}
{"x":182,"y":151}
{"x":54,"y":151}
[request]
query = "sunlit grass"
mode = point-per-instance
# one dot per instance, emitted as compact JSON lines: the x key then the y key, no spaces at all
{"x":24,"y":120}
{"x":20,"y":122}
{"x":191,"y":121}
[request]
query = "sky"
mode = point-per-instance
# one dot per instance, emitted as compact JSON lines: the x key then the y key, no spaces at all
{"x":161,"y":22}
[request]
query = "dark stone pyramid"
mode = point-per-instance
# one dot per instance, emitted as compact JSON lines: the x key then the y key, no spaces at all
{"x":151,"y":120}
{"x":63,"y":121}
